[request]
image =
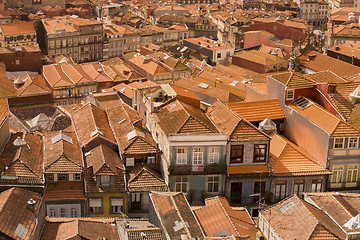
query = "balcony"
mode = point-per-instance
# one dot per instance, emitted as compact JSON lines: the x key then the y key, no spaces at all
{"x":215,"y":168}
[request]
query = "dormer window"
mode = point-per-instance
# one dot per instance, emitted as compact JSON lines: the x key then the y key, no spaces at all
{"x":105,"y":180}
{"x":290,"y":94}
{"x":339,"y":143}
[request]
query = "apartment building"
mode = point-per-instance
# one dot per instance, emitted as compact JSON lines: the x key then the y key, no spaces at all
{"x":79,"y":38}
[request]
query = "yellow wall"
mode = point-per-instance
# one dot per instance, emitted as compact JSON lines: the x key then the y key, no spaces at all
{"x":106,"y":204}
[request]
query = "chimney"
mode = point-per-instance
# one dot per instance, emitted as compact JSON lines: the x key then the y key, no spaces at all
{"x":31,"y":205}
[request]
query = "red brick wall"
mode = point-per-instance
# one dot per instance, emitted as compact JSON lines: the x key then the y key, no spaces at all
{"x":27,"y":61}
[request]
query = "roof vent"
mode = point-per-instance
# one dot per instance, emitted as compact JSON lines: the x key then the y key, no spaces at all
{"x":19,"y":142}
{"x":31,"y":204}
{"x":100,"y":70}
{"x":267,"y":126}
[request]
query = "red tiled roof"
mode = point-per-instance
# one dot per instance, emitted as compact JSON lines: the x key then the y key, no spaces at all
{"x":4,"y":110}
{"x":65,"y":191}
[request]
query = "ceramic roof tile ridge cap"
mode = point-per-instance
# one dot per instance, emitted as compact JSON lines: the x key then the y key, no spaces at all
{"x":103,"y":158}
{"x":179,"y":214}
{"x":228,"y":109}
{"x":62,"y":69}
{"x":178,"y":102}
{"x":332,"y":195}
{"x":289,"y":79}
{"x":227,"y":215}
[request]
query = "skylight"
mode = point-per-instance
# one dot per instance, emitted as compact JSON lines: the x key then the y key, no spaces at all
{"x":302,"y":102}
{"x":21,"y":231}
{"x":234,"y":83}
{"x":203,"y":85}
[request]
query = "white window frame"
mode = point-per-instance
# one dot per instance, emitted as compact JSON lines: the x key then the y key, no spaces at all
{"x":354,"y":171}
{"x":117,"y":208}
{"x":281,"y":193}
{"x":97,"y":208}
{"x":210,"y":184}
{"x":300,"y":187}
{"x":343,"y":143}
{"x":63,"y":212}
{"x":198,"y":156}
{"x":180,"y":181}
{"x":104,"y":180}
{"x":151,"y":160}
{"x":214,"y":154}
{"x":130,"y":162}
{"x":316,"y":186}
{"x":73,"y":212}
{"x":356,"y":143}
{"x":53,"y":212}
{"x":181,"y":158}
{"x":288,"y":92}
{"x":337,"y":173}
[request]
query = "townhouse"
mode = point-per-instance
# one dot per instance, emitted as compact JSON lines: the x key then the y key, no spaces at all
{"x":63,"y":168}
{"x":79,"y":38}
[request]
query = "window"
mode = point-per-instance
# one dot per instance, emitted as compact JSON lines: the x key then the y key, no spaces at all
{"x":77,"y":177}
{"x":52,"y":212}
{"x":280,"y":190}
{"x":95,"y":205}
{"x":218,"y":55}
{"x":105,"y":180}
{"x":237,"y":152}
{"x":151,"y":160}
{"x":213,"y":184}
{"x":197,"y":156}
{"x":63,"y":177}
{"x":181,"y":156}
{"x":337,"y":174}
{"x":49,"y":177}
{"x":316,"y":185}
{"x":63,"y":212}
{"x":136,"y":201}
{"x":352,"y":173}
{"x":353,"y":142}
{"x":339,"y":143}
{"x":73,"y":213}
{"x":181,"y":184}
{"x":290,"y":94}
{"x":213,"y":154}
{"x":130,"y":162}
{"x":259,"y":188}
{"x":299,"y":187}
{"x":116,"y":205}
{"x":260,"y":152}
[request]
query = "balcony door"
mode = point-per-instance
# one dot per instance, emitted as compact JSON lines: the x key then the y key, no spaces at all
{"x":236,"y":191}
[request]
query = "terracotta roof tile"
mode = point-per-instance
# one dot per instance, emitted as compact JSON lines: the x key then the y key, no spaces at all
{"x":287,"y":159}
{"x":79,"y":228}
{"x":33,"y":85}
{"x":18,"y":28}
{"x":64,"y":191}
{"x":252,"y":113}
{"x":251,"y":169}
{"x":64,"y":154}
{"x":208,"y":43}
{"x":174,"y":210}
{"x":23,"y":162}
{"x":145,"y":179}
{"x":217,"y":215}
{"x":237,"y":128}
{"x":294,"y":80}
{"x":90,"y":122}
{"x":4,"y":110}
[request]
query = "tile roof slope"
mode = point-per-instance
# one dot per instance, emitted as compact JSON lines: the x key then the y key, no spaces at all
{"x":341,"y":97}
{"x":79,"y":228}
{"x":173,"y":209}
{"x":340,"y":206}
{"x":145,"y":179}
{"x":208,"y":43}
{"x":24,"y":162}
{"x":180,"y":118}
{"x":319,"y":62}
{"x":149,"y":66}
{"x":62,"y":148}
{"x":326,"y":76}
{"x":33,"y":85}
{"x":89,"y":119}
{"x":260,"y":57}
{"x":294,"y":222}
{"x":217,"y":215}
{"x":4,"y":110}
{"x":101,"y":156}
{"x":64,"y":191}
{"x":287,"y":159}
{"x":237,"y":128}
{"x":108,"y":101}
{"x":326,"y":120}
{"x":14,"y":212}
{"x":252,"y":113}
{"x":122,"y":120}
{"x":18,"y":28}
{"x":294,"y":80}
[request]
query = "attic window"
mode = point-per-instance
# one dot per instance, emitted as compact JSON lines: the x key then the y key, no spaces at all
{"x":290,"y":94}
{"x":203,"y":85}
{"x":302,"y":102}
{"x":234,"y":83}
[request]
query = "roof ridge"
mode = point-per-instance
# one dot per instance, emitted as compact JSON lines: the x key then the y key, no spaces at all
{"x":227,"y":215}
{"x":179,"y":214}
